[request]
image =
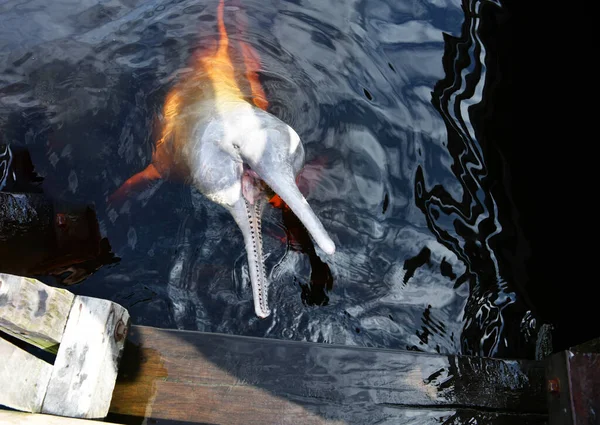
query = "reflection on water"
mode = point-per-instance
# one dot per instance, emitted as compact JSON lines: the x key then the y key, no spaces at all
{"x":464,"y":218}
{"x":40,"y":236}
{"x":381,"y":94}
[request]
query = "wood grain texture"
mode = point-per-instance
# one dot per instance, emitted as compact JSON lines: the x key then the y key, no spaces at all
{"x":395,"y":416}
{"x":575,"y":395}
{"x":33,"y":311}
{"x":23,"y":378}
{"x":87,"y":361}
{"x":20,"y":418}
{"x":180,"y":377}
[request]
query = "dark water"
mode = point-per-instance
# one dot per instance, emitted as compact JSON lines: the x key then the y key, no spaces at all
{"x":388,"y":97}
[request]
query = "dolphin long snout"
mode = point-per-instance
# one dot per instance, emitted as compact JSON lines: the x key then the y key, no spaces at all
{"x":283,"y":183}
{"x":247,"y":213}
{"x":248,"y":218}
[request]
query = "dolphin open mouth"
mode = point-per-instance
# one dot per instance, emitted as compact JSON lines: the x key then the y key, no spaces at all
{"x":256,"y":265}
{"x":253,"y":189}
{"x":282,"y":182}
{"x":247,"y":213}
{"x":267,"y":156}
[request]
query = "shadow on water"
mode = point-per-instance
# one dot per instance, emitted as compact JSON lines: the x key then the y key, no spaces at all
{"x":389,"y":98}
{"x":40,"y":236}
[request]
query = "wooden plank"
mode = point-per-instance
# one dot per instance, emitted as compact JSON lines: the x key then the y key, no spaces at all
{"x":87,"y":361}
{"x":387,"y":416}
{"x":584,"y":371}
{"x":574,"y":385}
{"x":32,"y":311}
{"x":20,"y":418}
{"x":196,"y":377}
{"x":23,"y":378}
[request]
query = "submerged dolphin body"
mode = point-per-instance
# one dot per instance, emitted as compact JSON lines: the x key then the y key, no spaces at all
{"x":232,"y":151}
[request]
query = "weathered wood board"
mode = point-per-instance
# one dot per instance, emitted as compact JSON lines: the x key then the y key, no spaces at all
{"x":179,"y":377}
{"x":24,"y":391}
{"x":574,"y":385}
{"x":87,"y":361}
{"x":33,"y":312}
{"x":20,"y":418}
{"x":88,"y":335}
{"x":231,"y":415}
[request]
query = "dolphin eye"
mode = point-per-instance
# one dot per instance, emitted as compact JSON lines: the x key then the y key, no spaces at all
{"x":236,"y":146}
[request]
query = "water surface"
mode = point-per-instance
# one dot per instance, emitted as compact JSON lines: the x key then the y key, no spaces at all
{"x":385,"y":96}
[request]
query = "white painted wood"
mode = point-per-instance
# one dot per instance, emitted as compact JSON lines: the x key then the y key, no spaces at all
{"x":20,"y":418}
{"x":23,"y":378}
{"x":33,"y":311}
{"x":85,"y":370}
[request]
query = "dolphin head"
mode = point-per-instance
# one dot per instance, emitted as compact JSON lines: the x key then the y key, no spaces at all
{"x":241,"y":159}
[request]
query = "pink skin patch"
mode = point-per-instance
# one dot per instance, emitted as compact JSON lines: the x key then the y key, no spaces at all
{"x":251,"y":186}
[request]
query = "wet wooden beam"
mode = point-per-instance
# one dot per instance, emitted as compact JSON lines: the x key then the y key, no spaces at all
{"x":387,"y":416}
{"x":573,"y":385}
{"x":195,"y":378}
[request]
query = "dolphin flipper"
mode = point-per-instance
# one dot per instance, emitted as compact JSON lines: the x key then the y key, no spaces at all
{"x":134,"y":183}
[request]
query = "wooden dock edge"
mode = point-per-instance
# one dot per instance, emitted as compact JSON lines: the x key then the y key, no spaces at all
{"x":188,"y":377}
{"x":8,"y":417}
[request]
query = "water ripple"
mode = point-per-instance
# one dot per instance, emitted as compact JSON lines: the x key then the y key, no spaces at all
{"x":381,"y":94}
